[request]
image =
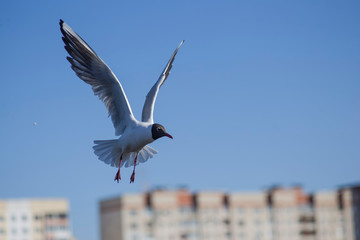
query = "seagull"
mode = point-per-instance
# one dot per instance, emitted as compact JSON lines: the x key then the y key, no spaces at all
{"x":132,"y":146}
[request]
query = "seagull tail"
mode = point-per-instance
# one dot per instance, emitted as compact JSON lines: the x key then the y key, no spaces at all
{"x":110,"y":155}
{"x":104,"y":149}
{"x":144,"y":154}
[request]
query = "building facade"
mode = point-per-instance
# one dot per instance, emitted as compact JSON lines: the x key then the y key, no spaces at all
{"x":273,"y":214}
{"x":34,"y":219}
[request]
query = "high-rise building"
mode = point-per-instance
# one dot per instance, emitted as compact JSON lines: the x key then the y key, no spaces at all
{"x":274,"y":214}
{"x":292,"y":215}
{"x":34,"y":219}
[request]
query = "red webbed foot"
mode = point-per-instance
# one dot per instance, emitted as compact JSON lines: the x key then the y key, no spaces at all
{"x":117,"y":176}
{"x":132,"y":178}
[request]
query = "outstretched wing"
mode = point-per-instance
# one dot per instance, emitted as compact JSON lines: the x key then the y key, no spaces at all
{"x":91,"y":69}
{"x":148,"y":109}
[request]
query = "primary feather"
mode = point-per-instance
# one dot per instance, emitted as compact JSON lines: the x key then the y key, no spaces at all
{"x":148,"y":109}
{"x":91,"y":69}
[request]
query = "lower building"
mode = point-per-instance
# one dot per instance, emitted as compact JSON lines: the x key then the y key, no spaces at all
{"x":274,"y":214}
{"x":34,"y":219}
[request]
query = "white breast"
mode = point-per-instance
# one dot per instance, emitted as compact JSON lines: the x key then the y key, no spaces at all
{"x":135,"y":138}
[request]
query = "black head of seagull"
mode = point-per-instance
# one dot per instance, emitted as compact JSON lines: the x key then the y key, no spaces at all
{"x":158,"y":131}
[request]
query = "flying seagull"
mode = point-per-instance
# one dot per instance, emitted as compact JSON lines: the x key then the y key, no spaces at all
{"x":132,"y":146}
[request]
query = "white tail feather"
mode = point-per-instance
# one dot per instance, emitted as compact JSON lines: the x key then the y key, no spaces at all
{"x":107,"y":153}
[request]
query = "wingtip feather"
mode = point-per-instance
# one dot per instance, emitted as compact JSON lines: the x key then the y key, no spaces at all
{"x":181,"y":44}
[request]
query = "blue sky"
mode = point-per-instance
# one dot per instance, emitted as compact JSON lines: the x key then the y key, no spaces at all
{"x":261,"y":93}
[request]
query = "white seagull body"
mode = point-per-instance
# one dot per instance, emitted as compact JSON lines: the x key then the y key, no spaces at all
{"x":131,"y":147}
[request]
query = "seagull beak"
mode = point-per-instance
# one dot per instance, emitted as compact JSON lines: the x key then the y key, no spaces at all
{"x":168,"y":135}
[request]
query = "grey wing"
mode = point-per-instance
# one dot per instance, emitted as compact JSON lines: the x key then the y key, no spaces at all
{"x":148,"y":109}
{"x":89,"y":67}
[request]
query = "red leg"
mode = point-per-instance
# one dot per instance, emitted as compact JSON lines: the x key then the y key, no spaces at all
{"x":117,"y":176}
{"x":133,"y":174}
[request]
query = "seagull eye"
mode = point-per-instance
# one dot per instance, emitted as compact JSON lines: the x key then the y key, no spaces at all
{"x":158,"y":129}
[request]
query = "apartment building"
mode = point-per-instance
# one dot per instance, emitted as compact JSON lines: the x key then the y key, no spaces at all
{"x":249,"y":216}
{"x":34,"y":219}
{"x":328,"y":215}
{"x":274,"y":214}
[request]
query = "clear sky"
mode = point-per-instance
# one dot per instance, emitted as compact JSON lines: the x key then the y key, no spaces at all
{"x":261,"y":93}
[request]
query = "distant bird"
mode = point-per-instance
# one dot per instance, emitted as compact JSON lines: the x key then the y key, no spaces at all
{"x":131,"y":147}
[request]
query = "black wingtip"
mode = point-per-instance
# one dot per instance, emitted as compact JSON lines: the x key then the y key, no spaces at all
{"x":61,"y":22}
{"x":180,"y":44}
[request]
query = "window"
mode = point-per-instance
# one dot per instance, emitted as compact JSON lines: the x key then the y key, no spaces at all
{"x":186,"y":210}
{"x":258,"y":235}
{"x":242,"y":235}
{"x":133,"y":212}
{"x":63,"y":227}
{"x":241,"y":223}
{"x":133,"y":225}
